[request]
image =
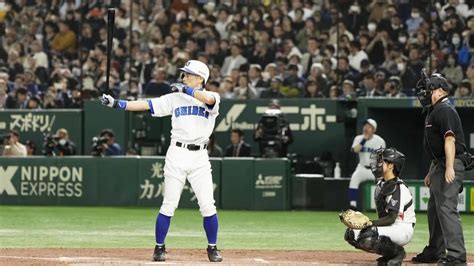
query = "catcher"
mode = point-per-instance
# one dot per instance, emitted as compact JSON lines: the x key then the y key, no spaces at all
{"x":387,"y":235}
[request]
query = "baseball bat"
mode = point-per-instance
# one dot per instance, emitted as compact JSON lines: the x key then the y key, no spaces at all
{"x":110,"y":37}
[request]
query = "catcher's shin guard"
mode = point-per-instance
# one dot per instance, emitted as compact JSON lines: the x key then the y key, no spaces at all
{"x":392,"y":252}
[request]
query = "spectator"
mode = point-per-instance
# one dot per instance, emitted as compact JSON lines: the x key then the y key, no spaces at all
{"x":293,"y":83}
{"x":369,"y":89}
{"x":452,"y":71}
{"x":348,"y":92}
{"x":158,"y":86}
{"x":312,"y":90}
{"x":12,"y":145}
{"x":39,"y":56}
{"x":334,"y":93}
{"x":356,"y":56}
{"x":234,"y":60}
{"x":3,"y":93}
{"x":313,"y":55}
{"x":59,"y":144}
{"x":407,"y":74}
{"x":464,"y":89}
{"x":274,"y":90}
{"x":243,"y":90}
{"x":30,"y":148}
{"x":343,"y":38}
{"x":255,"y":78}
{"x":34,"y":103}
{"x":14,"y":65}
{"x":317,"y":75}
{"x":30,"y":82}
{"x":18,"y":99}
{"x":226,"y":89}
{"x":64,"y":41}
{"x":214,"y":150}
{"x":414,"y":22}
{"x":393,"y":87}
{"x":237,"y":148}
{"x":109,"y":146}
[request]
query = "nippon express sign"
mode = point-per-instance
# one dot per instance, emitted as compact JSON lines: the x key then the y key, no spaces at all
{"x":41,"y":181}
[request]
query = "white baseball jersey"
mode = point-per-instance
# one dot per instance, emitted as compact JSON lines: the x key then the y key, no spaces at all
{"x":376,"y":142}
{"x":192,"y":121}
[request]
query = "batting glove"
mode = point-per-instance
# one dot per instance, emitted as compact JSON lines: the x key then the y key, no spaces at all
{"x":180,"y":87}
{"x":108,"y":101}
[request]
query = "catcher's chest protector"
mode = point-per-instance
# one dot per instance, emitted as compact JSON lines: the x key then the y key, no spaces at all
{"x":383,"y":191}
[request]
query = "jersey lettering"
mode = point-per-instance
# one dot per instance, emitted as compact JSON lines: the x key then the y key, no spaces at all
{"x":191,"y":110}
{"x":367,"y":149}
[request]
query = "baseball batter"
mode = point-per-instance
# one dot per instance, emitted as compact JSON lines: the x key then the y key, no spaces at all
{"x":387,"y":235}
{"x":193,"y":114}
{"x":364,"y":145}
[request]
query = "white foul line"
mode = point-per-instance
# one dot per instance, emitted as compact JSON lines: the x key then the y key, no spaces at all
{"x":261,"y":260}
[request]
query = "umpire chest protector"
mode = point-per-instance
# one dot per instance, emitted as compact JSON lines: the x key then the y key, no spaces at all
{"x":387,"y":196}
{"x":442,"y":120}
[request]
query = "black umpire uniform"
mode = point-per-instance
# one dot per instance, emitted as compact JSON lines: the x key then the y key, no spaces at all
{"x":446,"y":242}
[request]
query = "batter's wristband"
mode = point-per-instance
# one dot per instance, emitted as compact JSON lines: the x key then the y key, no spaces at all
{"x":189,"y":91}
{"x":121,"y":104}
{"x":363,"y":142}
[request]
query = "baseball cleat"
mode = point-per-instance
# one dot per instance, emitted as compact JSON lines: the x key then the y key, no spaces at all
{"x":159,"y":253}
{"x":213,"y":254}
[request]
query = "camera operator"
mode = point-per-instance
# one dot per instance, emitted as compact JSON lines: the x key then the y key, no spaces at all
{"x":105,"y":145}
{"x":12,"y":145}
{"x":273,"y":132}
{"x":59,"y":144}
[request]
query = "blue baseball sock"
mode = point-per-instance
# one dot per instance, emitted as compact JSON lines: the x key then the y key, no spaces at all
{"x":210,"y":226}
{"x":353,"y":195}
{"x":161,"y":228}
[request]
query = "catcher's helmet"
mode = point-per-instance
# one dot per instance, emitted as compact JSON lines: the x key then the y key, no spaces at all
{"x":390,"y":155}
{"x":395,"y":157}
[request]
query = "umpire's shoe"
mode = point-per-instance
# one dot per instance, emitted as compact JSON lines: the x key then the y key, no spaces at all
{"x":213,"y":254}
{"x":159,"y":253}
{"x":424,"y":258}
{"x":452,"y":261}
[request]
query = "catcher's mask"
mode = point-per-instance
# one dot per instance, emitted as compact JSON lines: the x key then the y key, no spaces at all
{"x":426,"y":85}
{"x":389,"y":155}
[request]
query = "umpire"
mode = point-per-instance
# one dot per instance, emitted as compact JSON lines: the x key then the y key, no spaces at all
{"x":444,"y":141}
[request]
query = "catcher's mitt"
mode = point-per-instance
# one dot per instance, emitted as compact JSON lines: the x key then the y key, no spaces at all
{"x":354,"y":219}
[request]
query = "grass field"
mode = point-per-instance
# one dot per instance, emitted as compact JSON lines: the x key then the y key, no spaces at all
{"x":104,"y":227}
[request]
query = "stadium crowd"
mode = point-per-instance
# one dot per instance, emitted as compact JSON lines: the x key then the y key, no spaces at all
{"x":53,"y":52}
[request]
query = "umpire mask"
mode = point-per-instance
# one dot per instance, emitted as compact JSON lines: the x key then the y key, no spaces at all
{"x":376,"y":163}
{"x":423,"y":86}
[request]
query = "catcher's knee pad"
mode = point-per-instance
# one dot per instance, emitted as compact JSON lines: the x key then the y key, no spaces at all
{"x":207,"y":209}
{"x":368,"y":238}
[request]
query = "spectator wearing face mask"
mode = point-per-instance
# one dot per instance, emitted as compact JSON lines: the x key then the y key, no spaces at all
{"x":415,"y":21}
{"x":452,"y":71}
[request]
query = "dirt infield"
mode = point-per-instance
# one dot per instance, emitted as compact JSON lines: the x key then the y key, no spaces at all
{"x":84,"y":256}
